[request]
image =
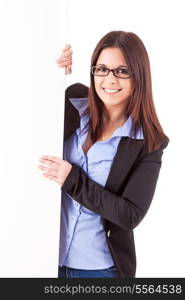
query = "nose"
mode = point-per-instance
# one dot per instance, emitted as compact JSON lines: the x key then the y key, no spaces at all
{"x":111,"y":78}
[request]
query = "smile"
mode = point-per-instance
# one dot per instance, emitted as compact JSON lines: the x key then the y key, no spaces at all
{"x":111,"y":91}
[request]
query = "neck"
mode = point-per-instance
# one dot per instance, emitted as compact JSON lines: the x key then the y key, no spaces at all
{"x":113,"y":117}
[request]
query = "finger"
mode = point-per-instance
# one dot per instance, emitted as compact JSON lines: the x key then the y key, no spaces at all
{"x":67,"y":53}
{"x":52,"y":159}
{"x":65,"y":56}
{"x":64,"y":64}
{"x":64,"y":59}
{"x":49,"y":163}
{"x":53,"y":178}
{"x":48,"y":170}
{"x":50,"y":176}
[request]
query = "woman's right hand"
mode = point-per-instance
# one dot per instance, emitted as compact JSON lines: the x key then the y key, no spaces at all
{"x":65,"y":60}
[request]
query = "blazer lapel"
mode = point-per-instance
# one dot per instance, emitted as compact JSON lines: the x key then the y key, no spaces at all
{"x":127,"y":153}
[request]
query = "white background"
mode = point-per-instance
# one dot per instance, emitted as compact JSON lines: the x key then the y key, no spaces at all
{"x":33,"y":33}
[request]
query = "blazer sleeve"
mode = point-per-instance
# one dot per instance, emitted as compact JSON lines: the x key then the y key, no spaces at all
{"x":128,"y":209}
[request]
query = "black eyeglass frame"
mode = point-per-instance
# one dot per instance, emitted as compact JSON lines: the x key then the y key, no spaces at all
{"x":113,"y":71}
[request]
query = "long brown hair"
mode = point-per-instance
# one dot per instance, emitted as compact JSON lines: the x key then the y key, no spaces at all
{"x":140,"y":105}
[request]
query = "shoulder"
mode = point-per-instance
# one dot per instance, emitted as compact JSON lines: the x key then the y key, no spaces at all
{"x":154,"y":155}
{"x":76,"y":99}
{"x":77,"y":90}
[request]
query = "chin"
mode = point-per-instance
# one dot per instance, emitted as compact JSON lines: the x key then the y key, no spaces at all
{"x":110,"y":103}
{"x":110,"y":99}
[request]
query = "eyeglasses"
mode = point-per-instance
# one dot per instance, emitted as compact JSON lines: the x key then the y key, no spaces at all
{"x":103,"y":71}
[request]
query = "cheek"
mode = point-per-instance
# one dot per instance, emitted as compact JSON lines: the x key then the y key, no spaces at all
{"x":98,"y":83}
{"x":128,"y":88}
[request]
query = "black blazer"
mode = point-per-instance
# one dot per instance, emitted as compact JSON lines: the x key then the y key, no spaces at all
{"x":128,"y":192}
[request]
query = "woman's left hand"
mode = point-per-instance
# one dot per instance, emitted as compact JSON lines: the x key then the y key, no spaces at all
{"x":58,"y":169}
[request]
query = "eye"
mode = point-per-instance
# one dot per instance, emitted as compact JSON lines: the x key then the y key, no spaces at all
{"x":101,"y":69}
{"x":122,"y":71}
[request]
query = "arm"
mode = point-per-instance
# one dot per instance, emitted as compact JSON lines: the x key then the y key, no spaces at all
{"x":126,"y":210}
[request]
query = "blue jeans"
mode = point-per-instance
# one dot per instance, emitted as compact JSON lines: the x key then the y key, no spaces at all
{"x":66,"y":272}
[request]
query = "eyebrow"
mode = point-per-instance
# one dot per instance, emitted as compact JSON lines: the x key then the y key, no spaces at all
{"x":116,"y":67}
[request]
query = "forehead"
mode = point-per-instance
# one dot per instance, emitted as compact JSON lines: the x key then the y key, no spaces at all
{"x":111,"y":57}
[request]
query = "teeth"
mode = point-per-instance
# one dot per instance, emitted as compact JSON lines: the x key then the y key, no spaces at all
{"x":111,"y":91}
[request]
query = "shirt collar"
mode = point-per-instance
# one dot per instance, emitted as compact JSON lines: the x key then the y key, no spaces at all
{"x":81,"y":105}
{"x":124,"y":130}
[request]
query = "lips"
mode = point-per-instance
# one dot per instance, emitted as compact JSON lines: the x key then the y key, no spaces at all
{"x":111,"y":91}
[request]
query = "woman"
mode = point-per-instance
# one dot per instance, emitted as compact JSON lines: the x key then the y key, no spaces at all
{"x":112,"y":158}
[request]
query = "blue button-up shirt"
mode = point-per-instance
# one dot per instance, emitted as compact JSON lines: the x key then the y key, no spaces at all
{"x":83,"y":243}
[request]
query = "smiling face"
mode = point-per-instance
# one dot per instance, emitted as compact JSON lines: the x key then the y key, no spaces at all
{"x":113,"y":91}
